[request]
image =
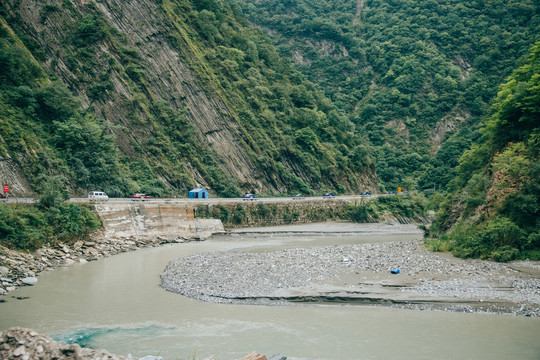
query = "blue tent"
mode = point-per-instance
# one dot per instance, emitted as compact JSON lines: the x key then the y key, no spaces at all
{"x":198,"y":194}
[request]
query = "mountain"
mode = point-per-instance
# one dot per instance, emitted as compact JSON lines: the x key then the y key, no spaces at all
{"x":162,"y":96}
{"x":273,"y":96}
{"x":494,"y":210}
{"x":416,"y":77}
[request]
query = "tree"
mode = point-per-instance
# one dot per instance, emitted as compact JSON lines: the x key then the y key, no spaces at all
{"x":53,"y":191}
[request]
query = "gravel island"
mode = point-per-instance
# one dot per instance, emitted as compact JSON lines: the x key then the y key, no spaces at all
{"x":359,"y":275}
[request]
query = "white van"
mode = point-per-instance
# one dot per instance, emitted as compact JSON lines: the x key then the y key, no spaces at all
{"x":97,"y":195}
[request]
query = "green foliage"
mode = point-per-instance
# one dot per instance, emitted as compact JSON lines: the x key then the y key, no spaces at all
{"x":405,"y":206}
{"x":18,"y":68}
{"x":498,"y":186}
{"x":28,"y":227}
{"x":498,"y":238}
{"x":47,"y":123}
{"x":437,"y":244}
{"x":260,"y":214}
{"x":368,"y":92}
{"x":90,"y":30}
{"x":53,"y":191}
{"x":288,"y":127}
{"x":516,"y":111}
{"x":364,"y":213}
{"x":401,"y":69}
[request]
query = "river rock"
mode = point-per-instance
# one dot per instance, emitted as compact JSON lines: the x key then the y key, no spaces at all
{"x":3,"y":271}
{"x":29,"y":280}
{"x":254,"y":356}
{"x":277,"y":357}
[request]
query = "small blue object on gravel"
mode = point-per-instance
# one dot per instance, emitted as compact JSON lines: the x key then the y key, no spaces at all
{"x":395,"y":271}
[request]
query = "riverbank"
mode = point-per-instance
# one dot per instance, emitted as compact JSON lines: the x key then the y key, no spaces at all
{"x":359,"y":274}
{"x":19,"y":268}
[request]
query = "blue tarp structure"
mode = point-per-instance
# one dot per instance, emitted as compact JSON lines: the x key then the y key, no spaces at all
{"x":198,"y":194}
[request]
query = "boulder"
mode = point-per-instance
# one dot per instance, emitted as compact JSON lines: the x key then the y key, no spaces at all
{"x":3,"y":271}
{"x":254,"y":356}
{"x":277,"y":357}
{"x":29,"y":280}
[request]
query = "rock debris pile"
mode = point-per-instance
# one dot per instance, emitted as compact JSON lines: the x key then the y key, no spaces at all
{"x":26,"y":344}
{"x":274,"y":277}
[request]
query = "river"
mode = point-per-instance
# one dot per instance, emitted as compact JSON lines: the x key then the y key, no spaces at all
{"x":117,"y":304}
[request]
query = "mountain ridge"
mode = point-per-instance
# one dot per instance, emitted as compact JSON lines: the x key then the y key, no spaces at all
{"x":137,"y":85}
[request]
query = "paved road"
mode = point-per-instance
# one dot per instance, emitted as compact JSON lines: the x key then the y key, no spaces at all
{"x":211,"y":200}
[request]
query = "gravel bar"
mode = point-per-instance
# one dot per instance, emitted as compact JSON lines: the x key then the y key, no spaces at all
{"x":359,"y":274}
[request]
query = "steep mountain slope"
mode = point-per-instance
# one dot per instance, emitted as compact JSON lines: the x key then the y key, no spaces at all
{"x":415,"y":76}
{"x":162,"y":96}
{"x":495,"y":208}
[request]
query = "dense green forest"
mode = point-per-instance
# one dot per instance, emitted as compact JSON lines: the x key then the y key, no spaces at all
{"x":416,"y":77}
{"x":327,"y":96}
{"x":494,"y":209}
{"x":293,"y":137}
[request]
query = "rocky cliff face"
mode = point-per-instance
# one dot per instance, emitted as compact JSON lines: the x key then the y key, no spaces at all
{"x":145,"y":28}
{"x":144,"y":70}
{"x":146,"y":31}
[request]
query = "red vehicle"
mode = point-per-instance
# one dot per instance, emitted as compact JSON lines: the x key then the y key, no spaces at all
{"x":140,"y":196}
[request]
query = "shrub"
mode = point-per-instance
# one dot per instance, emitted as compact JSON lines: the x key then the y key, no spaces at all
{"x":28,"y":227}
{"x":505,"y":253}
{"x":437,"y":244}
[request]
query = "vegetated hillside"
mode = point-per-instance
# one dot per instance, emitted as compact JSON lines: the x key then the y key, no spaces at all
{"x":161,"y":96}
{"x":416,"y":77}
{"x":495,"y":208}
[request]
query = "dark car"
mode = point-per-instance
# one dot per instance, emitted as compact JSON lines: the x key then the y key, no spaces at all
{"x":366,"y":193}
{"x":298,"y":197}
{"x":328,"y":195}
{"x":140,"y":196}
{"x":249,"y":197}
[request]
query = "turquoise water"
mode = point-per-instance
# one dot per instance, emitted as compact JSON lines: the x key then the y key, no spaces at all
{"x":92,"y":337}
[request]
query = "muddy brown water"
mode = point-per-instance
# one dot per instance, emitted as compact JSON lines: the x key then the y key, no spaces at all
{"x":117,"y":304}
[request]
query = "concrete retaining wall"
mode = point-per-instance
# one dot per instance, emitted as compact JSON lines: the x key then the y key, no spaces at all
{"x":170,"y":221}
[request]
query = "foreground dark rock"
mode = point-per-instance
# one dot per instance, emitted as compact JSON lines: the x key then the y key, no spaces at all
{"x":26,"y":344}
